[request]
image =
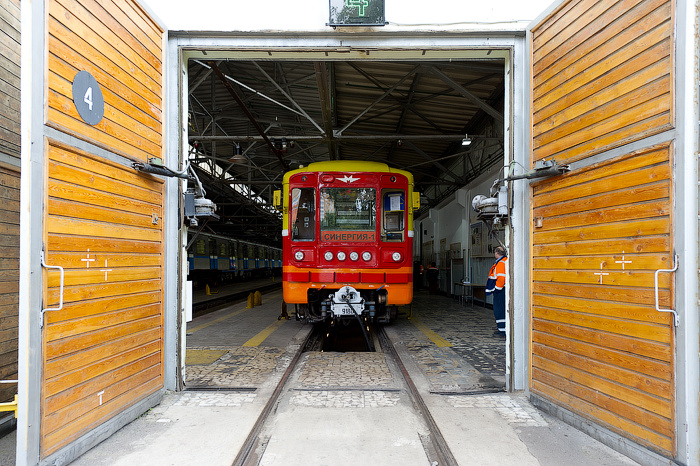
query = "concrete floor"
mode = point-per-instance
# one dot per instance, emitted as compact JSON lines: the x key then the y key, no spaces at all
{"x":347,"y":408}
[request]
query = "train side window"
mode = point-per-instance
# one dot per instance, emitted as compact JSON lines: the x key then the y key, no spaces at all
{"x":303,"y":214}
{"x":394,"y":207}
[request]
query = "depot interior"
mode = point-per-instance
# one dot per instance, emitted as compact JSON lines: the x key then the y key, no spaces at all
{"x":440,"y":119}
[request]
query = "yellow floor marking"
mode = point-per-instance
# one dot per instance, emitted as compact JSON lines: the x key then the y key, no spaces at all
{"x":202,"y":357}
{"x":434,"y":337}
{"x":260,"y":337}
{"x":200,"y":327}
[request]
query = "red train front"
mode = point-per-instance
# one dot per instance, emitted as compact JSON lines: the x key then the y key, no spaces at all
{"x":348,"y":240}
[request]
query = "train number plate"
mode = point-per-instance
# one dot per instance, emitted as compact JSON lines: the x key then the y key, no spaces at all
{"x":343,"y":310}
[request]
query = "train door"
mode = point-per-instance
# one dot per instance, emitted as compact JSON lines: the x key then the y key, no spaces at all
{"x":602,"y":241}
{"x":92,"y":253}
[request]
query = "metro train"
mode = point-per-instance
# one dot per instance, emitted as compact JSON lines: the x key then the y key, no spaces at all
{"x":347,"y":240}
{"x":215,"y":259}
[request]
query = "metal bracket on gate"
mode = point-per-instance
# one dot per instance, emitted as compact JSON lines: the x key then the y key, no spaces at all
{"x":677,"y":320}
{"x":60,"y":293}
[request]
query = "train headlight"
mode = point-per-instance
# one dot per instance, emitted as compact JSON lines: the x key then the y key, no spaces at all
{"x":299,"y":255}
{"x":396,"y":256}
{"x":340,"y":256}
{"x":328,"y":256}
{"x":366,"y":256}
{"x":354,"y":256}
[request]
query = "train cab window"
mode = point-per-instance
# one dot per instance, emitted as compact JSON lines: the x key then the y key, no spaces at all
{"x":348,"y":209}
{"x":394,"y":208}
{"x":303,"y":214}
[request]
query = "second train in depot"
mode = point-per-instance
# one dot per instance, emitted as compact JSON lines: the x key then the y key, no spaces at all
{"x":347,"y":240}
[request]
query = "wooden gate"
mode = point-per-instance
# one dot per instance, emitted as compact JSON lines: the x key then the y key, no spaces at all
{"x":602,"y":78}
{"x":102,"y":351}
{"x":9,"y":193}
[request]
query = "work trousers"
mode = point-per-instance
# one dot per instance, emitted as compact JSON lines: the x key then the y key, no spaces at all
{"x":499,"y":309}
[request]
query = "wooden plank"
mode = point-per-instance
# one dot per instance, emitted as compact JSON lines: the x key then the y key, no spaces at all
{"x":93,"y":307}
{"x":9,"y":178}
{"x":642,"y":210}
{"x":62,"y":225}
{"x":117,"y":259}
{"x":114,"y":362}
{"x":68,"y":242}
{"x":122,"y":395}
{"x":591,"y":410}
{"x":632,"y":124}
{"x":633,"y":161}
{"x":651,"y":97}
{"x":80,"y":211}
{"x":63,"y":116}
{"x":634,"y":295}
{"x":103,"y":382}
{"x":577,"y":376}
{"x":651,"y":243}
{"x":625,"y":13}
{"x":602,"y":308}
{"x":58,"y":366}
{"x":604,"y":200}
{"x":135,"y":32}
{"x":107,"y":176}
{"x":648,"y":227}
{"x":82,"y":342}
{"x":122,"y":112}
{"x":587,"y":77}
{"x":82,"y":194}
{"x":143,"y":21}
{"x":633,"y":262}
{"x":642,"y":330}
{"x":623,"y":377}
{"x":576,"y":114}
{"x":654,"y":369}
{"x":88,"y":324}
{"x":85,"y":30}
{"x":103,"y":351}
{"x":120,"y":289}
{"x":99,"y":275}
{"x":578,"y":18}
{"x":591,"y":65}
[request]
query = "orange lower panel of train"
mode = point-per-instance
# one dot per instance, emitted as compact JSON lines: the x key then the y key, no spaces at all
{"x":397,"y":282}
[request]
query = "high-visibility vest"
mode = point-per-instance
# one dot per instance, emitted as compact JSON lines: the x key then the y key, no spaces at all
{"x":497,"y":276}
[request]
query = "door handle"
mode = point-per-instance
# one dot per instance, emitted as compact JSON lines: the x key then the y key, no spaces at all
{"x":60,"y":293}
{"x":677,"y":318}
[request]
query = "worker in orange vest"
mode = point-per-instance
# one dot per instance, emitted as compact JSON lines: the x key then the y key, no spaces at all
{"x":495,"y":285}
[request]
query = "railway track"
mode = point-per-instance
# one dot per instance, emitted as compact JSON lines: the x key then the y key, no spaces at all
{"x":434,"y":444}
{"x":217,"y":302}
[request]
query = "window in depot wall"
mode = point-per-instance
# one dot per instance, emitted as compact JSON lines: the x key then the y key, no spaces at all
{"x":356,"y":13}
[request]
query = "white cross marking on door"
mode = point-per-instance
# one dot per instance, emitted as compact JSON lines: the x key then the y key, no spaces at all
{"x":623,"y":261}
{"x":601,"y":273}
{"x":105,"y":270}
{"x":88,"y":260}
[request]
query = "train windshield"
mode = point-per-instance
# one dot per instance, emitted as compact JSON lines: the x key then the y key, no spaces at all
{"x":303,"y":208}
{"x":349,"y":210}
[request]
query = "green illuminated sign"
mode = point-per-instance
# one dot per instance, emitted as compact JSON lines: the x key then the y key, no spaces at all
{"x":356,"y":13}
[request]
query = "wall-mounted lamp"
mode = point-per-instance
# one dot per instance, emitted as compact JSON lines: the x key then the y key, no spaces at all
{"x":467,"y":140}
{"x":399,"y":143}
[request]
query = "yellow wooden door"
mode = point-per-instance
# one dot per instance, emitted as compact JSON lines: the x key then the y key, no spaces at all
{"x":602,"y":79}
{"x":102,"y":351}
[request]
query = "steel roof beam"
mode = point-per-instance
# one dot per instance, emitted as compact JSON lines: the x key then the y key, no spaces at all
{"x":498,"y":116}
{"x":245,"y":109}
{"x":325,"y":101}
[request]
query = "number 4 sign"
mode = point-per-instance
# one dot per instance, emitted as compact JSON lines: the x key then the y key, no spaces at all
{"x":87,"y":97}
